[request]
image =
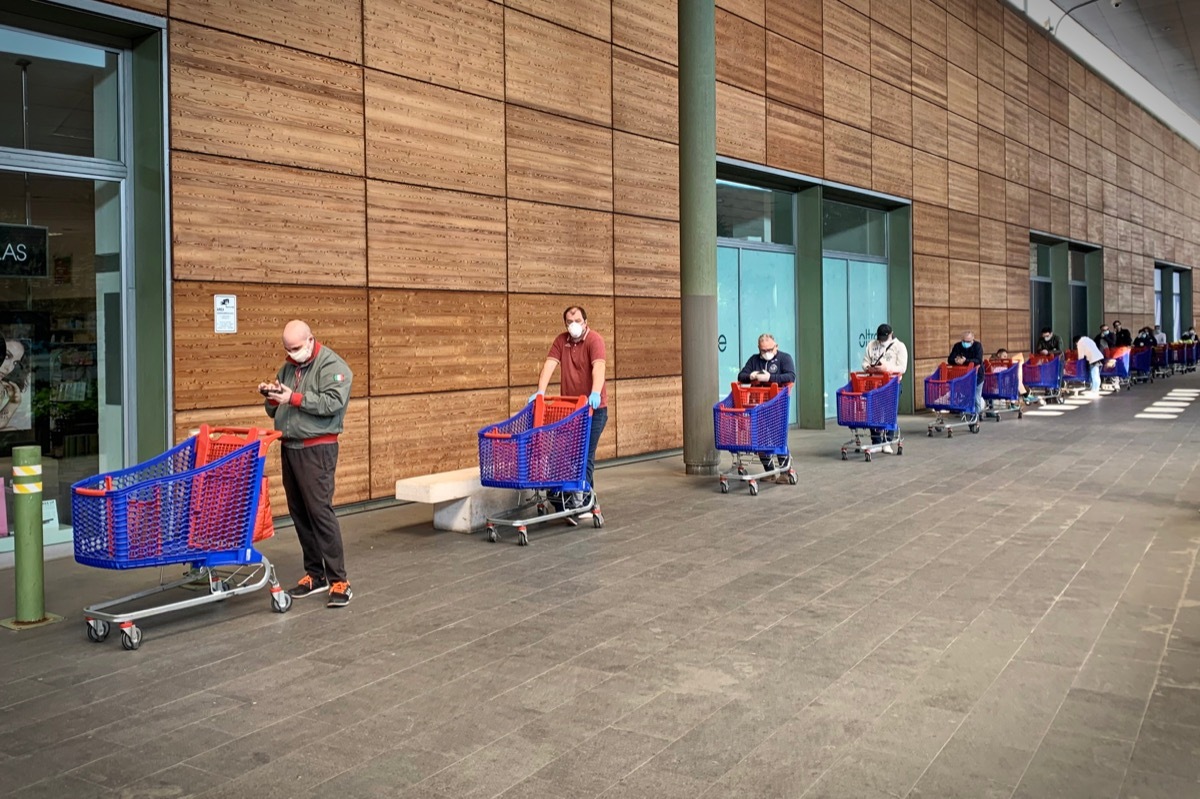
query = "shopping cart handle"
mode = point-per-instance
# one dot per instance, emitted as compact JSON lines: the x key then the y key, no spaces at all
{"x":492,"y":434}
{"x":96,"y":492}
{"x":725,"y":409}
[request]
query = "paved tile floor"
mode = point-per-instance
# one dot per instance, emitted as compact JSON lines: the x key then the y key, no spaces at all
{"x":1009,"y":614}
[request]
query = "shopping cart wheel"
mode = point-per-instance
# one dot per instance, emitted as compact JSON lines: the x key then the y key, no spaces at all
{"x":754,"y":488}
{"x":868,"y":455}
{"x":131,"y":637}
{"x":741,"y":470}
{"x":281,"y":601}
{"x":974,"y":428}
{"x":541,"y":509}
{"x":597,"y":519}
{"x":1020,"y":415}
{"x":724,"y":486}
{"x":792,"y":479}
{"x":522,"y":537}
{"x":929,"y":432}
{"x":97,"y":630}
{"x":493,"y":536}
{"x":844,"y":451}
{"x":899,"y":449}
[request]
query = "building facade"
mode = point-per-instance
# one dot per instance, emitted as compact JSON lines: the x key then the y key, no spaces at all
{"x":431,"y":182}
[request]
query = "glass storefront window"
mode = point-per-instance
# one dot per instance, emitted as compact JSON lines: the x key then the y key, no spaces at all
{"x":70,"y":91}
{"x":62,"y":329}
{"x":854,"y":229}
{"x":1039,"y":260}
{"x":754,"y":214}
{"x":1078,"y":261}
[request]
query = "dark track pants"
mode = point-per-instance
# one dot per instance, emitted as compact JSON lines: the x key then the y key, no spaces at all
{"x":308,"y":475}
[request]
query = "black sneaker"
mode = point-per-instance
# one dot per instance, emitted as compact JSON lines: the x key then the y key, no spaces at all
{"x":309,"y":585}
{"x":339,"y":595}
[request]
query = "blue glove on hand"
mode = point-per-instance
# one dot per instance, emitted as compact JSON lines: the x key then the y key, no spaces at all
{"x":594,"y":399}
{"x":534,"y":396}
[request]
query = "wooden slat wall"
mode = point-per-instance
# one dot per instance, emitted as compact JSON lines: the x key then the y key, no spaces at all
{"x":450,"y":174}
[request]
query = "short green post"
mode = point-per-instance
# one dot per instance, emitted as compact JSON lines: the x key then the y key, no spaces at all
{"x":28,"y":552}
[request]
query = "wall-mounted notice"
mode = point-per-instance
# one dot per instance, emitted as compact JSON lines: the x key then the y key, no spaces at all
{"x":224,"y":313}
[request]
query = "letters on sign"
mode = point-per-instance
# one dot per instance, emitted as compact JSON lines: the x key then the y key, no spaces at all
{"x":24,"y":251}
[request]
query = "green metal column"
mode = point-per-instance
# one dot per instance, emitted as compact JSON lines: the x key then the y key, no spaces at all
{"x":29,"y":565}
{"x":1060,"y":293}
{"x":1185,"y":300}
{"x":810,"y":328}
{"x":900,"y":293}
{"x":1093,"y":269}
{"x":1168,"y":303}
{"x":698,"y":230}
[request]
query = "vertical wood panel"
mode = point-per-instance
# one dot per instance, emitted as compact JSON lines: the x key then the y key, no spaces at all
{"x":930,"y":178}
{"x":847,"y":94}
{"x":592,"y":17}
{"x":244,"y":99}
{"x":647,"y":28}
{"x":930,"y":229}
{"x":433,"y":136}
{"x":891,"y":167}
{"x":795,"y":140}
{"x":845,"y":32}
{"x":741,"y":52}
{"x":646,"y":257}
{"x":930,"y":127}
{"x":929,"y":26}
{"x":235,"y":220}
{"x":993,"y":286}
{"x":648,"y":335}
{"x":929,"y":78}
{"x":647,"y":100}
{"x":559,"y":160}
{"x":550,"y":68}
{"x":964,"y":284}
{"x":428,"y":341}
{"x":741,"y":124}
{"x":553,"y":249}
{"x":931,"y":280}
{"x":964,"y":188}
{"x":646,"y":423}
{"x":931,"y":334}
{"x":457,"y":45}
{"x":255,"y":352}
{"x":332,"y":28}
{"x":645,"y":176}
{"x":891,"y":112}
{"x":428,"y":433}
{"x":794,"y":74}
{"x":799,"y":20}
{"x":964,"y":236}
{"x":891,"y":57}
{"x":435,"y":239}
{"x":896,"y":15}
{"x":847,"y":154}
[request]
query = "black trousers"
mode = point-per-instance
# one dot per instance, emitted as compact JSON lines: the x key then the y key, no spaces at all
{"x":308,"y":476}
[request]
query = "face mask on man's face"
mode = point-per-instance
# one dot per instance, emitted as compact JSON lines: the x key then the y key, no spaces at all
{"x":1046,"y":337}
{"x":575,"y":329}
{"x":304,"y":354}
{"x":968,"y":344}
{"x":766,"y":355}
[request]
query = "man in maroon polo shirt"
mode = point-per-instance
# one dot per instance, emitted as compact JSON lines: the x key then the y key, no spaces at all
{"x":580,"y":352}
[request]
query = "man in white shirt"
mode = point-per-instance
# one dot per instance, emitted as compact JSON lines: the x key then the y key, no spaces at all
{"x":1087,"y":350}
{"x":886,"y":354}
{"x":1160,"y":338}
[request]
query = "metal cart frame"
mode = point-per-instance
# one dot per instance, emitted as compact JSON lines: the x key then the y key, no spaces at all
{"x":951,"y":390}
{"x":542,"y":449}
{"x":1000,"y":384}
{"x":1045,"y":373}
{"x":871,"y":402}
{"x":753,"y":421}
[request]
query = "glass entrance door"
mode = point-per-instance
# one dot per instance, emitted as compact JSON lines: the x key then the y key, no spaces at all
{"x":756,"y":293}
{"x":855,"y":303}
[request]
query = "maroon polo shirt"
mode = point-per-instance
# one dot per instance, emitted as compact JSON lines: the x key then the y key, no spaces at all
{"x":575,"y":358}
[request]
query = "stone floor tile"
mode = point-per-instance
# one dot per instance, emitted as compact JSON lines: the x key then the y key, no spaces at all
{"x":1070,"y":765}
{"x":1147,"y":785}
{"x":1168,"y":749}
{"x":600,"y":762}
{"x":1103,"y":714}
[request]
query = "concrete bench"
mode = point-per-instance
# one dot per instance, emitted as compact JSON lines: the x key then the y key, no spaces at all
{"x":460,"y":502}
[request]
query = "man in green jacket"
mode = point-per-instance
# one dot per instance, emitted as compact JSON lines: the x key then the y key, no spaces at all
{"x":308,"y":403}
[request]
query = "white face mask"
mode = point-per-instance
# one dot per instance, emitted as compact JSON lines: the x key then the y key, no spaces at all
{"x":575,"y":329}
{"x":303,"y":355}
{"x":767,"y":356}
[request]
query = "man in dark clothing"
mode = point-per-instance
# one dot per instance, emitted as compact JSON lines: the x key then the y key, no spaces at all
{"x":308,"y":403}
{"x":769,"y":365}
{"x":1122,"y":337}
{"x":966,"y":352}
{"x":1145,"y":338}
{"x":1048,"y":343}
{"x":1104,"y":339}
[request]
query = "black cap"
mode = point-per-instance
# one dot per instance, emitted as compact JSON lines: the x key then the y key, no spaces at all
{"x":883,"y":331}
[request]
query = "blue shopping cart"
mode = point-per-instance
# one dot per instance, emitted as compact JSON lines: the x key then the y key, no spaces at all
{"x":543,"y":450}
{"x":178,"y":508}
{"x":1001,"y":388}
{"x":753,"y":420}
{"x":951,"y":391}
{"x":871,"y":402}
{"x":1044,"y":374}
{"x":1116,"y":372}
{"x":1141,"y":365}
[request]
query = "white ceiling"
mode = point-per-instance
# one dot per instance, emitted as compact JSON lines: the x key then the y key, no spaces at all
{"x":1160,"y":39}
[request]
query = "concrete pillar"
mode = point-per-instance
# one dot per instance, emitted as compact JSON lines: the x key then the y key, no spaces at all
{"x":698,"y":230}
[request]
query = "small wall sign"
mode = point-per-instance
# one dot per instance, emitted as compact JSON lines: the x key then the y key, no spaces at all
{"x":224,"y":313}
{"x":23,"y":251}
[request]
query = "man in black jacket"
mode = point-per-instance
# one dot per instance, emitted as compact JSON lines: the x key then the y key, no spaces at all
{"x":1121,"y":335}
{"x":1048,"y":343}
{"x":769,"y":365}
{"x":964,"y":353}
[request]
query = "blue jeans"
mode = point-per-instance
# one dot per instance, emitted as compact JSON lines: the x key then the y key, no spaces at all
{"x":979,"y":397}
{"x":599,"y":420}
{"x":1094,"y":376}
